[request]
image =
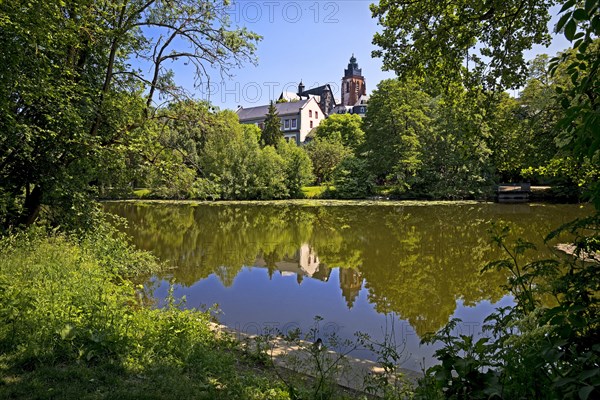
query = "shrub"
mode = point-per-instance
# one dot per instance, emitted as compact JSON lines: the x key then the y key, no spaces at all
{"x":352,"y":179}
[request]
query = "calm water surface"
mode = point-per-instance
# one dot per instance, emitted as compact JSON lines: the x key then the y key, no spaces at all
{"x":362,"y":267}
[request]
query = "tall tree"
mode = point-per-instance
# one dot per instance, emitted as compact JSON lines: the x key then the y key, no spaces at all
{"x":476,"y":42}
{"x":455,"y":154}
{"x":271,"y":133}
{"x":396,"y":119}
{"x":346,"y":128}
{"x":72,"y":100}
{"x":440,"y":38}
{"x":325,"y":156}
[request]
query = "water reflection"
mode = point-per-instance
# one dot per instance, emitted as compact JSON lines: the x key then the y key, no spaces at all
{"x":418,"y":262}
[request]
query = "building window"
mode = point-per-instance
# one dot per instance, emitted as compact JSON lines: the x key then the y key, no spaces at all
{"x":311,"y":124}
{"x":316,"y":114}
{"x":294,"y":126}
{"x":347,"y":87}
{"x":310,"y":113}
{"x":287,"y":124}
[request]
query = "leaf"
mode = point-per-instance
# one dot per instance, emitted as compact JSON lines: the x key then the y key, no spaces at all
{"x":580,"y":14}
{"x":596,"y":24}
{"x":563,"y":381}
{"x":589,"y":373}
{"x":567,"y":5}
{"x":590,"y":4}
{"x":67,"y":333}
{"x":585,"y":392}
{"x":562,"y":21}
{"x":570,"y":30}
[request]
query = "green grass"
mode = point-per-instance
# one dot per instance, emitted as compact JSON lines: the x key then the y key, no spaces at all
{"x":142,"y":193}
{"x":71,"y":327}
{"x":313,"y":192}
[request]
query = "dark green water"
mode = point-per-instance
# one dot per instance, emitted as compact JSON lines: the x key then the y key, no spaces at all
{"x":360,"y":266}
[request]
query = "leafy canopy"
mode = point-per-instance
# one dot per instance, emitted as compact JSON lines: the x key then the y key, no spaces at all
{"x":80,"y":79}
{"x":472,"y":41}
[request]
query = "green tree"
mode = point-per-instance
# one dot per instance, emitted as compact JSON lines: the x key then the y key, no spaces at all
{"x":352,"y":179}
{"x":455,"y":155}
{"x":70,"y":100}
{"x":474,"y":42}
{"x":396,"y":119}
{"x":297,"y":167}
{"x":510,"y":139}
{"x":439,"y":39}
{"x":541,"y":110}
{"x":325,"y":155}
{"x":272,"y":131}
{"x":346,"y":128}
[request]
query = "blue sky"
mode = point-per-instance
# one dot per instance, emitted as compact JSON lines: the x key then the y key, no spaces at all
{"x":310,"y":40}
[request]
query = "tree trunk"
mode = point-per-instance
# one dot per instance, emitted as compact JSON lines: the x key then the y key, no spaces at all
{"x":33,"y":204}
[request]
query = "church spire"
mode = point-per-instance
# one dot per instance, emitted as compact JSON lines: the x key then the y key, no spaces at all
{"x":353,"y":69}
{"x":300,"y":87}
{"x":353,"y":83}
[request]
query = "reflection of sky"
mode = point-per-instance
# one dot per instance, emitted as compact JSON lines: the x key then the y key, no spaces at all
{"x":254,"y":301}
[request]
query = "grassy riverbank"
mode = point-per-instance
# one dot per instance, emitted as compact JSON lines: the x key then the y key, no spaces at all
{"x":73,"y":327}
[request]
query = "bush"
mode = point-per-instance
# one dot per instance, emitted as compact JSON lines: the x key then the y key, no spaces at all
{"x":531,"y":351}
{"x":352,"y":179}
{"x":72,"y":327}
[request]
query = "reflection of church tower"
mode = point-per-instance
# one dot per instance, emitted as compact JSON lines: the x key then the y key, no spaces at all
{"x":351,"y":283}
{"x":353,"y":84}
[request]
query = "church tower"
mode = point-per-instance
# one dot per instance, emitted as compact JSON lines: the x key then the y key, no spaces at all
{"x":353,"y":84}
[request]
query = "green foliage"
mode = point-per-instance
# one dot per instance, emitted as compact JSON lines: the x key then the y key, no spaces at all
{"x":455,"y":154}
{"x":313,"y":192}
{"x":202,"y":153}
{"x":70,"y":324}
{"x":71,"y":104}
{"x":352,"y":179}
{"x":532,"y":351}
{"x":483,"y":46}
{"x":297,"y":168}
{"x":344,"y":128}
{"x":397,"y":118}
{"x":473,"y":42}
{"x":325,"y":156}
{"x":579,"y":126}
{"x":548,"y":95}
{"x":271,"y":133}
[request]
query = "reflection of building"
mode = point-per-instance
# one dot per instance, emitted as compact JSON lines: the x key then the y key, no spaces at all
{"x":304,"y":262}
{"x":350,"y":283}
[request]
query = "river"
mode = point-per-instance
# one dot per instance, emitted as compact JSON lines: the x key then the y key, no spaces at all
{"x":400,"y":269}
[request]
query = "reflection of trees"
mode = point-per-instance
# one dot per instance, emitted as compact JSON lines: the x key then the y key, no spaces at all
{"x":417,"y":261}
{"x":209,"y":239}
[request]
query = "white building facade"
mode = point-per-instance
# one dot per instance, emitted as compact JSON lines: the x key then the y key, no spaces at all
{"x":298,"y":118}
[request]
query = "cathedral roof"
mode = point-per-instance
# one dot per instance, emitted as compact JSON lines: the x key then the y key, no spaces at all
{"x":318,"y":91}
